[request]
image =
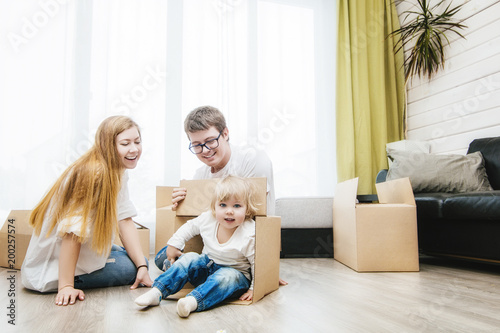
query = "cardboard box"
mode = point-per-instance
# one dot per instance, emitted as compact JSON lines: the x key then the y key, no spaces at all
{"x":15,"y":237}
{"x":267,"y":231}
{"x":376,"y":237}
{"x":200,"y":195}
{"x":143,"y":238}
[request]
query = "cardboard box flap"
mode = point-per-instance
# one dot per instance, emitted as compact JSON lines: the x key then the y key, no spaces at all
{"x":143,"y":233}
{"x":396,"y":191}
{"x":349,"y":190}
{"x":267,"y":252}
{"x":344,"y":222}
{"x":19,"y":215}
{"x":165,"y":227}
{"x":200,"y":192}
{"x":15,"y":235}
{"x":164,"y":196}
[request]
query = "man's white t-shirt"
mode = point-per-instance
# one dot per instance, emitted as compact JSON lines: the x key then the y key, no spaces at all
{"x":238,"y":252}
{"x":245,"y":162}
{"x":40,"y":269}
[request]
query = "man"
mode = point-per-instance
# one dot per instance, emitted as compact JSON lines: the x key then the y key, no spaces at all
{"x":206,"y":129}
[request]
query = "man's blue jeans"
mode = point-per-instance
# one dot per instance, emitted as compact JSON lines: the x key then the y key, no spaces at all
{"x":213,"y":283}
{"x":119,"y":270}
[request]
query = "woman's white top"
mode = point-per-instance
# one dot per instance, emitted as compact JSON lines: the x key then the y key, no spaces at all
{"x":40,"y":269}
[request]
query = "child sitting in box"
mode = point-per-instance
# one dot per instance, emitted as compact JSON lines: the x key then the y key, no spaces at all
{"x":225,"y":267}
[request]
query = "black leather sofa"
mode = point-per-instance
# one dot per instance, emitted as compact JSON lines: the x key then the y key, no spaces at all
{"x":465,"y":225}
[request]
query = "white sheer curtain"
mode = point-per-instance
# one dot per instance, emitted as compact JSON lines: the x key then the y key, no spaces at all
{"x":269,"y":66}
{"x":66,"y":65}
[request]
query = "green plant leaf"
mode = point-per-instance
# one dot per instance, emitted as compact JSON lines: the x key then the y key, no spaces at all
{"x":430,"y":33}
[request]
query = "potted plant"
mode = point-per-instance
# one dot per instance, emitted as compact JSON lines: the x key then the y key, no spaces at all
{"x":429,"y":32}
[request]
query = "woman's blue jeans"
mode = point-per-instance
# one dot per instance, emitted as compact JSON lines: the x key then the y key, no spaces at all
{"x":213,"y":283}
{"x":119,"y":270}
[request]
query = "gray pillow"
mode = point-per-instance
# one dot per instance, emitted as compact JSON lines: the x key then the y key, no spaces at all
{"x":439,"y":173}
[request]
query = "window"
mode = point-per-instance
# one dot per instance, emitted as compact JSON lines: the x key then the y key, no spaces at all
{"x":269,"y":65}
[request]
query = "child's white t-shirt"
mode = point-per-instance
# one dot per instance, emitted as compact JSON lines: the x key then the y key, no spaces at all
{"x":238,"y":252}
{"x":245,"y":162}
{"x":40,"y":269}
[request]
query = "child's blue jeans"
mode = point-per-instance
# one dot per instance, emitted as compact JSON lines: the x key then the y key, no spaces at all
{"x":119,"y":270}
{"x":213,"y":283}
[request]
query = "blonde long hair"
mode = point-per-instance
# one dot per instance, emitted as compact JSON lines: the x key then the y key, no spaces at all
{"x":88,"y":189}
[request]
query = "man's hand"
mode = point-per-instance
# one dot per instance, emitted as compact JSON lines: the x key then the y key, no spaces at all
{"x":178,"y":194}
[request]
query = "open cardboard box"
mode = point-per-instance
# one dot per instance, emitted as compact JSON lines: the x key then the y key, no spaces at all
{"x":16,"y":232}
{"x":15,"y":237}
{"x":267,"y":230}
{"x":376,"y":237}
{"x":143,"y":239}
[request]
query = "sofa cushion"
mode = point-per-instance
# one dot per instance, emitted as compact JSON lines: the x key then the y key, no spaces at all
{"x":490,"y":148}
{"x":305,"y":212}
{"x":459,"y":206}
{"x":473,"y":206}
{"x":430,"y":205}
{"x":439,"y":173}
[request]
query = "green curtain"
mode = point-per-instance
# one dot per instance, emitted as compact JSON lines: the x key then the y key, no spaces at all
{"x":370,"y":89}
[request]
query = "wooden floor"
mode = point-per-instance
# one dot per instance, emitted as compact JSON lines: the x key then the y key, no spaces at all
{"x":323,"y":296}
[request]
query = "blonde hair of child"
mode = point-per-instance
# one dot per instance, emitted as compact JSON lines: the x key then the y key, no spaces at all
{"x":88,"y":189}
{"x":238,"y":187}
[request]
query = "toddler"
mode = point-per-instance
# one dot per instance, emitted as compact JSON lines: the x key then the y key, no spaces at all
{"x":225,"y":267}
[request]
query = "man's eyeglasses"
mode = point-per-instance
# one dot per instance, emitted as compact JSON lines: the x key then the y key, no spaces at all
{"x":210,"y":144}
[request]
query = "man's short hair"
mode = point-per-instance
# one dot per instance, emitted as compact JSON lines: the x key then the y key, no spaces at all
{"x":204,"y":117}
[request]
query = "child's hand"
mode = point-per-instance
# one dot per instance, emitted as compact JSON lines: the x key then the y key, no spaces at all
{"x":247,"y":296}
{"x":173,"y":253}
{"x":69,"y":295}
{"x":178,"y":194}
{"x":282,"y":282}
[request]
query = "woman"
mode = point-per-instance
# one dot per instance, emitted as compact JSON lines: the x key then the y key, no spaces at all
{"x":77,"y":220}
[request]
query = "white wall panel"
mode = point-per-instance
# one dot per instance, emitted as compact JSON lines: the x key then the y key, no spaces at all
{"x":481,"y":100}
{"x":461,"y":102}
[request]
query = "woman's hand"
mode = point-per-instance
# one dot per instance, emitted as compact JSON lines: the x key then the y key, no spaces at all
{"x":178,"y":194}
{"x":69,"y":295}
{"x":130,"y":240}
{"x":247,"y":296}
{"x":68,"y":256}
{"x":142,"y":277}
